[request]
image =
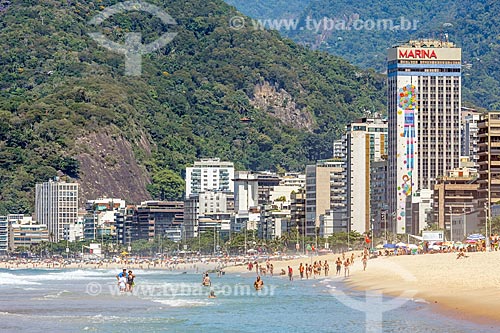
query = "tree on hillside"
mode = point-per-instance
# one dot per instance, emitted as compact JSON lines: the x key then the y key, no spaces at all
{"x":166,"y":185}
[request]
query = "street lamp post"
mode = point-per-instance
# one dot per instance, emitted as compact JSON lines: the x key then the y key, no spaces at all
{"x":297,"y":238}
{"x":487,"y":238}
{"x":373,"y":220}
{"x":246,"y":226}
{"x":215,"y":226}
{"x":451,"y":223}
{"x":348,"y":240}
{"x":465,"y":221}
{"x":304,"y":236}
{"x":315,"y":235}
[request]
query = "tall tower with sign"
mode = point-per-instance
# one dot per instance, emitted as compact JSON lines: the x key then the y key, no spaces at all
{"x":424,"y":102}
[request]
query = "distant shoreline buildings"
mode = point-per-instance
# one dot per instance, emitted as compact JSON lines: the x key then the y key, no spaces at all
{"x":430,"y":164}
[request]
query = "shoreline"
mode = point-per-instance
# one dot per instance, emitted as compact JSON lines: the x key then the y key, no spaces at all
{"x":466,"y":289}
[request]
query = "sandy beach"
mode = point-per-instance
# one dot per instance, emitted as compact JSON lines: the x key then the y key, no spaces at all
{"x":468,"y":288}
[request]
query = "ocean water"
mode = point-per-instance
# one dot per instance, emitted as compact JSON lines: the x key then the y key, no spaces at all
{"x":38,"y":300}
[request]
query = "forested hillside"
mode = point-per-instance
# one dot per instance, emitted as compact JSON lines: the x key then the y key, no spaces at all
{"x":66,"y":107}
{"x":473,"y":25}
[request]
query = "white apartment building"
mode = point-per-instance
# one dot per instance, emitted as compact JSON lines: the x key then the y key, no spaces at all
{"x":469,"y":137}
{"x":209,"y":174}
{"x":56,"y":206}
{"x":366,"y":144}
{"x":321,"y":181}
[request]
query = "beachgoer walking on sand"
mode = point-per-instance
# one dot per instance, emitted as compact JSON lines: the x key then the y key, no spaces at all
{"x":346,"y":267}
{"x":301,"y":270}
{"x":326,"y":267}
{"x":365,"y":260}
{"x":338,"y":263}
{"x":307,"y":271}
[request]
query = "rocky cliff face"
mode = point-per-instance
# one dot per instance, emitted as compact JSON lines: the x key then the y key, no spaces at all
{"x":280,"y":104}
{"x":109,"y":168}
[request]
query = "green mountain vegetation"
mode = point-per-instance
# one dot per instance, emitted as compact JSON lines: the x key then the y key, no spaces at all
{"x":67,"y":109}
{"x":473,"y":25}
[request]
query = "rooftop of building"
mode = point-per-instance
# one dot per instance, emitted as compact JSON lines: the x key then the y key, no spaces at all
{"x":427,"y":43}
{"x":212,"y":162}
{"x":369,"y":121}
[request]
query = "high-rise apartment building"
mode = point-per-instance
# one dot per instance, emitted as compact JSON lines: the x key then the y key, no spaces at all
{"x":340,"y":147}
{"x":56,"y":206}
{"x":424,"y":103}
{"x":489,"y":161}
{"x":156,"y":219}
{"x":209,"y":174}
{"x":469,"y":135}
{"x":366,"y":144}
{"x":320,"y":181}
{"x":378,"y":196}
{"x":4,"y":235}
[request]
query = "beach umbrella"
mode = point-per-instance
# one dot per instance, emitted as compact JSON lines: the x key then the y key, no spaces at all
{"x":413,"y":246}
{"x":475,"y":237}
{"x":400,"y":244}
{"x":251,"y":251}
{"x":389,"y":246}
{"x":436,"y":247}
{"x":471,"y":241}
{"x":379,"y":247}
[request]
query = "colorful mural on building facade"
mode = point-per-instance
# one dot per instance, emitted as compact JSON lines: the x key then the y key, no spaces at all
{"x":407,"y":109}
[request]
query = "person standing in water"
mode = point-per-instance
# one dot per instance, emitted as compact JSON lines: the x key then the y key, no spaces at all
{"x":258,"y":284}
{"x":290,"y":273}
{"x":206,"y":281}
{"x":130,"y":281}
{"x":122,"y":283}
